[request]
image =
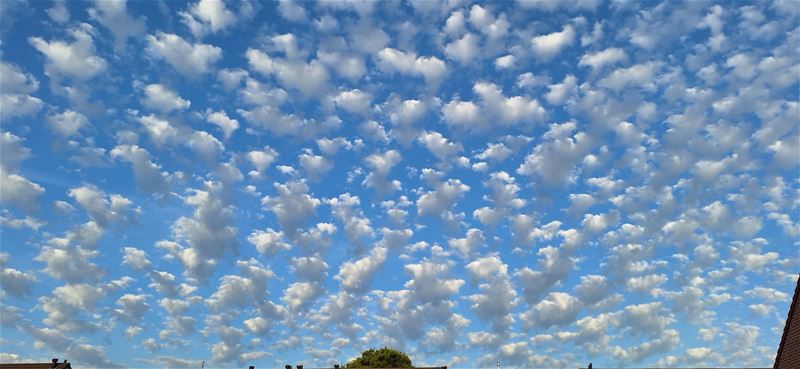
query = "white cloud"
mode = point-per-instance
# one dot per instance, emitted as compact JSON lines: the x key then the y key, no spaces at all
{"x":440,"y":147}
{"x":356,"y":276}
{"x":12,"y":151}
{"x":68,"y":123}
{"x":114,"y":16}
{"x":553,"y":160}
{"x":104,"y":209}
{"x":600,"y":59}
{"x":135,"y":258}
{"x":205,"y":146}
{"x":207,"y":16}
{"x":639,"y":75}
{"x":261,"y":160}
{"x":346,"y":209}
{"x":545,"y":47}
{"x":560,"y":92}
{"x":159,"y":130}
{"x":15,"y":89}
{"x":190,"y":59}
{"x":148,"y":175}
{"x":314,"y":79}
{"x":557,"y":309}
{"x":431,"y":68}
{"x":292,"y":205}
{"x":220,"y":119}
{"x":463,"y":50}
{"x":428,"y":283}
{"x":493,"y":107}
{"x":209,"y":232}
{"x":161,"y":98}
{"x":268,"y":242}
{"x":19,"y":191}
{"x":292,"y":11}
{"x":353,"y":101}
{"x":440,"y":200}
{"x":76,"y":60}
{"x":382,"y":165}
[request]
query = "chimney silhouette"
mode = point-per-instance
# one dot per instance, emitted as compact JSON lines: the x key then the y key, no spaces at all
{"x":55,"y":362}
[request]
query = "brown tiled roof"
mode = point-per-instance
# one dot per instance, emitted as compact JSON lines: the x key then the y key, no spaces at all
{"x":36,"y":366}
{"x":788,"y":356}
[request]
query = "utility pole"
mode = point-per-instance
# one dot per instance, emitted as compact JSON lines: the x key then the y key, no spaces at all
{"x":498,"y":365}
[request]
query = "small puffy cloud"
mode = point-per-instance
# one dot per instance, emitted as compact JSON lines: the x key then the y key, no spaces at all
{"x":463,"y":50}
{"x":207,"y":16}
{"x":356,"y":276}
{"x":268,"y":242}
{"x":554,"y":159}
{"x":493,"y":107}
{"x":159,"y":130}
{"x":315,"y":166}
{"x":261,"y":160}
{"x":205,"y":146}
{"x":160,"y":98}
{"x":505,"y":62}
{"x":556,"y":309}
{"x":15,"y":89}
{"x":135,"y":258}
{"x":314,"y":78}
{"x":441,"y":198}
{"x":291,"y":10}
{"x":639,"y":75}
{"x":104,"y":209}
{"x":68,"y":123}
{"x":14,"y":282}
{"x":469,"y":244}
{"x":600,"y":59}
{"x":148,"y":176}
{"x":70,"y":264}
{"x":209,"y":231}
{"x":382,"y":164}
{"x":225,"y":124}
{"x":19,"y":191}
{"x":560,"y":92}
{"x":12,"y":151}
{"x":428,"y":282}
{"x":76,"y":60}
{"x":114,"y":16}
{"x":431,"y":68}
{"x":292,"y":205}
{"x":353,"y":101}
{"x":346,"y":208}
{"x":190,"y":59}
{"x":440,"y":147}
{"x":545,"y":47}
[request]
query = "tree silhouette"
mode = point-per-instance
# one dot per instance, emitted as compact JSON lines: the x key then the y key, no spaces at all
{"x":383,"y":358}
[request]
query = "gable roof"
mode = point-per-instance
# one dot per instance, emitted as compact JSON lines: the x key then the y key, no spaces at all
{"x":789,"y":350}
{"x":36,"y":366}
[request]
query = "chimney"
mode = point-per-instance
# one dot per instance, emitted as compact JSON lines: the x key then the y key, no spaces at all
{"x":252,"y":367}
{"x":335,"y":366}
{"x":55,"y":362}
{"x":288,"y":367}
{"x":300,"y":366}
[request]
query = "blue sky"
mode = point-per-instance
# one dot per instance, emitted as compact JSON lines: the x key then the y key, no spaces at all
{"x":542,"y":184}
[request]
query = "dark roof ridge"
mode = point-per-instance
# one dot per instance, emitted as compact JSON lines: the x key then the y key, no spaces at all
{"x":785,"y":335}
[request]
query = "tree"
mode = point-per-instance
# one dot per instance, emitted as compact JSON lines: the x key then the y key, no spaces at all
{"x":383,"y":358}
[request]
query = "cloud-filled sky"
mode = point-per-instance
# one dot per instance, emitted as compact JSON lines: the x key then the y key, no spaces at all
{"x":542,"y":184}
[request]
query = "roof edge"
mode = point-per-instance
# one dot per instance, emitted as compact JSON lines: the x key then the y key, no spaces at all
{"x":788,"y":322}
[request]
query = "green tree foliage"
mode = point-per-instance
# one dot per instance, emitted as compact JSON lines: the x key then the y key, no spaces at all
{"x":383,"y":358}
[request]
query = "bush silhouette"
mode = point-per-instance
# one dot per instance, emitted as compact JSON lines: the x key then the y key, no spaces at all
{"x":383,"y":358}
